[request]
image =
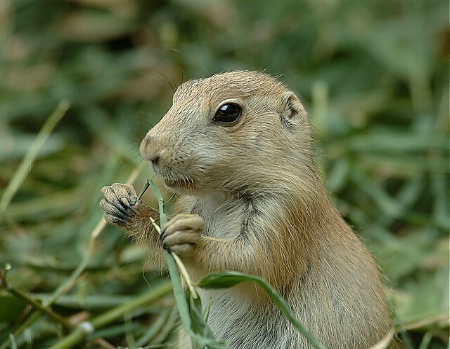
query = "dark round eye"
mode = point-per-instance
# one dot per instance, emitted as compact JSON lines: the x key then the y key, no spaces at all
{"x":228,"y":112}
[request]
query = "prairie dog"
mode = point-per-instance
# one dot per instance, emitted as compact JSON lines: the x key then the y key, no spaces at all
{"x":236,"y":147}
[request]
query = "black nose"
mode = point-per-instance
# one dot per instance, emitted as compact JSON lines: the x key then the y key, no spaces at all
{"x":149,"y":150}
{"x":154,"y":159}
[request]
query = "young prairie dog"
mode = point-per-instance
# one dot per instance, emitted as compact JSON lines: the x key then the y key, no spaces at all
{"x":236,"y":147}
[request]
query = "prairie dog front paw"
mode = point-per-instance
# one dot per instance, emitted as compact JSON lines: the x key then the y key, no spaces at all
{"x":119,"y":203}
{"x":183,"y":235}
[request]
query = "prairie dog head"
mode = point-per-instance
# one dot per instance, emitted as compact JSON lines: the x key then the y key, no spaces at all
{"x":230,"y":132}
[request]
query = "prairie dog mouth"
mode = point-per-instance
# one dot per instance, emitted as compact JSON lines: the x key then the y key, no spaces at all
{"x":175,"y":180}
{"x":179,"y":183}
{"x":184,"y":182}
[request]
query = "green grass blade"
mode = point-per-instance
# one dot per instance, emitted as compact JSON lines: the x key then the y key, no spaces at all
{"x":28,"y":160}
{"x":232,"y":278}
{"x":188,"y":315}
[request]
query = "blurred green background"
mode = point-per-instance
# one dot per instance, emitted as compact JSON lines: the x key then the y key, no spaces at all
{"x":373,"y":75}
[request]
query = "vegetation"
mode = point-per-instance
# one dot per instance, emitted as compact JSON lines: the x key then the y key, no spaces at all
{"x":81,"y":82}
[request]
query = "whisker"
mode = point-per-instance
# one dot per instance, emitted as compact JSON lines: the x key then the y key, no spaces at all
{"x":173,"y":87}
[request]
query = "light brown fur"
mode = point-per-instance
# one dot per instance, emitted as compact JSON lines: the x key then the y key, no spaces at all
{"x":252,"y":201}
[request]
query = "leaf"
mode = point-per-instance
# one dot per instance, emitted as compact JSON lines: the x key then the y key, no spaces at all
{"x":10,"y":307}
{"x":224,"y":280}
{"x":232,"y":278}
{"x":191,"y":314}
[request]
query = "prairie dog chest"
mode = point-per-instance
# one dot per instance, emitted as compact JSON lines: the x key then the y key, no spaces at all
{"x":224,"y":218}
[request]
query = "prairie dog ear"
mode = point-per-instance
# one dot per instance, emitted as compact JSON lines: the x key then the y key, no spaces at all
{"x":292,"y":110}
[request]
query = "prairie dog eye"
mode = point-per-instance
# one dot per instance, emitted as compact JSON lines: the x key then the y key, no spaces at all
{"x":228,"y":112}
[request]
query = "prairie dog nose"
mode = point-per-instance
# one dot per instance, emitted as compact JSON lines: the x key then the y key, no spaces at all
{"x":149,"y":150}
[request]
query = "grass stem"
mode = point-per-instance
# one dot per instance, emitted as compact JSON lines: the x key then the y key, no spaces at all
{"x":27,"y":162}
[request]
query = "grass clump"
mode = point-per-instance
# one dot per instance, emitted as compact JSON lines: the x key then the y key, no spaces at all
{"x":374,"y":78}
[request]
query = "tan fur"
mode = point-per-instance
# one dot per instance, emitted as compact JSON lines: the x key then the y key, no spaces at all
{"x":253,"y":202}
